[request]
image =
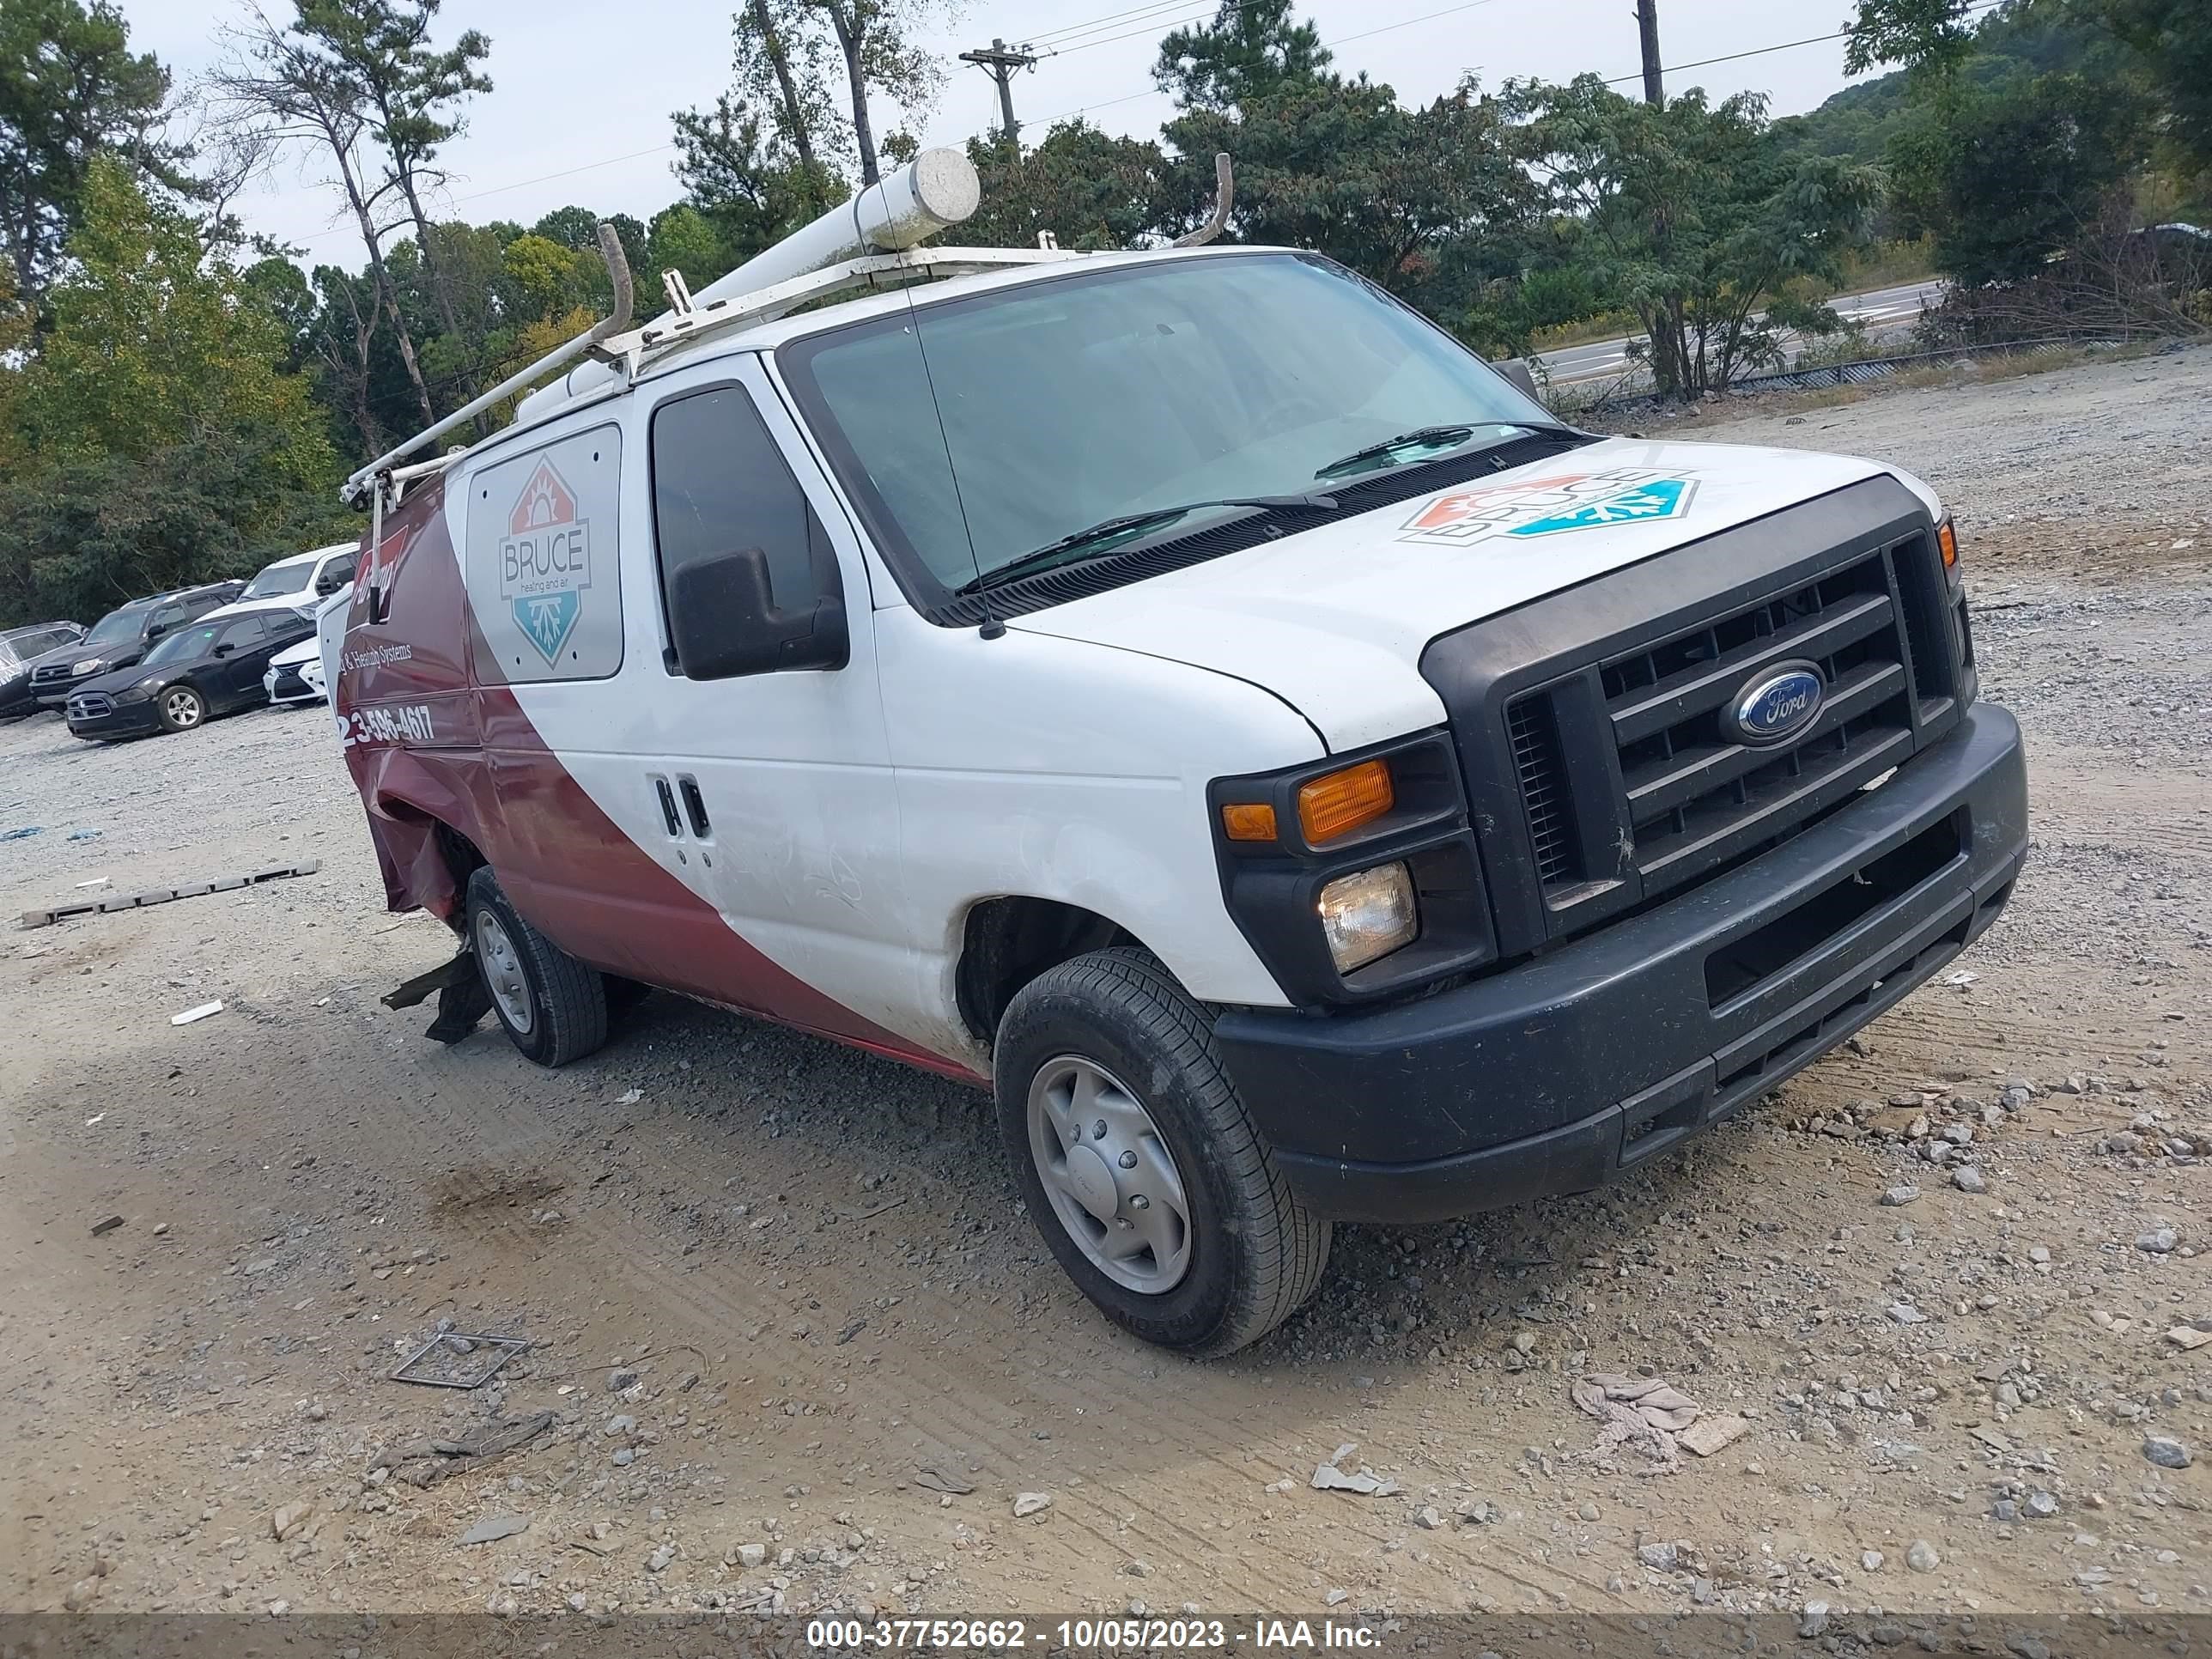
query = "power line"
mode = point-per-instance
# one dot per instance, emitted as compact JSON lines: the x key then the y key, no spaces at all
{"x":1342,"y":40}
{"x":1785,"y":46}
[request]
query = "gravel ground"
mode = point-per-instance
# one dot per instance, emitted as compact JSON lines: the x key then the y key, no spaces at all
{"x":800,"y":1351}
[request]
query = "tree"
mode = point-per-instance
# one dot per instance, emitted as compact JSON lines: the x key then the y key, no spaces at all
{"x":2005,"y":178}
{"x":875,"y":38}
{"x":284,"y":82}
{"x":728,"y":174}
{"x":1251,"y":49}
{"x":1340,"y":166}
{"x":784,"y":65}
{"x":1696,"y":217}
{"x":409,"y":93}
{"x":1090,"y":190}
{"x":682,"y":238}
{"x":71,"y":90}
{"x":2167,"y":45}
{"x":160,"y":442}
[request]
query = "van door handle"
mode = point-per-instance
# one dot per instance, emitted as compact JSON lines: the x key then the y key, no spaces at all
{"x":668,"y":808}
{"x":695,"y":806}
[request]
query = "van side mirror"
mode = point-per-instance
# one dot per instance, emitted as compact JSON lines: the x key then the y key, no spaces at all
{"x":725,"y":622}
{"x":155,"y":630}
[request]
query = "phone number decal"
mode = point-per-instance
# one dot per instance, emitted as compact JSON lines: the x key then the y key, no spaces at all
{"x":386,"y":723}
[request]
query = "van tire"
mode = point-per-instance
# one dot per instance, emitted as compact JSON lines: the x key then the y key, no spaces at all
{"x":1255,"y":1253}
{"x":566,"y":1001}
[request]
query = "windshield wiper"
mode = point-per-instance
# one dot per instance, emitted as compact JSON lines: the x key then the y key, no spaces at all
{"x":1069,"y":547}
{"x":1431,"y":437}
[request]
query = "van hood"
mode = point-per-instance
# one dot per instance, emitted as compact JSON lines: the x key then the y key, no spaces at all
{"x":1334,"y":620}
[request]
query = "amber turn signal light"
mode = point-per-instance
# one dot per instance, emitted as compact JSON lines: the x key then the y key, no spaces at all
{"x":1249,"y":822}
{"x":1337,"y":802}
{"x":1947,"y":543}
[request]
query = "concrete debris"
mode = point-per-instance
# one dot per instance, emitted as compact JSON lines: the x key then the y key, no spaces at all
{"x":494,"y":1527}
{"x":426,"y":1462}
{"x":1031,"y":1503}
{"x":289,"y":1522}
{"x":1331,"y":1477}
{"x":1708,"y":1435}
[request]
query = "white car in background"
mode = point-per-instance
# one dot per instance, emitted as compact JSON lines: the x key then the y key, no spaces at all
{"x":296,"y":674}
{"x":299,"y":582}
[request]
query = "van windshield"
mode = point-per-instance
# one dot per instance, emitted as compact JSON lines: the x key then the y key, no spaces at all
{"x":1071,"y":402}
{"x":117,"y":627}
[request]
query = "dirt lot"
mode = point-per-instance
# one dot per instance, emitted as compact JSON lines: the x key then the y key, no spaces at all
{"x":812,"y":1265}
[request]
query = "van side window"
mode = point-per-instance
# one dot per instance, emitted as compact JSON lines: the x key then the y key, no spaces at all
{"x":720,"y":485}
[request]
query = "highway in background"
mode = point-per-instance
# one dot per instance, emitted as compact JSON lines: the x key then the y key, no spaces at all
{"x":1885,"y":313}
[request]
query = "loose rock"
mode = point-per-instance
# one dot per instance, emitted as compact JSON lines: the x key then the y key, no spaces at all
{"x":2166,"y":1452}
{"x":1031,"y":1503}
{"x":1921,"y":1556}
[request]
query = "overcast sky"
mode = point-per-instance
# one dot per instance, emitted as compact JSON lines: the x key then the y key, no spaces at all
{"x":583,"y":91}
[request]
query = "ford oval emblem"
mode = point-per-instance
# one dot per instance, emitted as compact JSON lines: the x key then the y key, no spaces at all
{"x":1780,"y":703}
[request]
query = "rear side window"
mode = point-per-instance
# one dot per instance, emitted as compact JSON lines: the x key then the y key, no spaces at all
{"x":244,"y":634}
{"x":720,"y":485}
{"x":169,"y":616}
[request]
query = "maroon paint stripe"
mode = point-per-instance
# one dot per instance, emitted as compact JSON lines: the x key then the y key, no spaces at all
{"x":568,"y":867}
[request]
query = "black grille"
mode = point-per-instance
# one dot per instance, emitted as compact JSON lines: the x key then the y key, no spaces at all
{"x":53,"y":673}
{"x":91,"y":705}
{"x":287,"y":683}
{"x":1537,"y":763}
{"x":1694,"y":791}
{"x":1682,"y":797}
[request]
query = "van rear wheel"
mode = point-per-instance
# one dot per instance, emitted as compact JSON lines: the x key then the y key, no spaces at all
{"x":1139,"y":1163}
{"x":554,"y":1007}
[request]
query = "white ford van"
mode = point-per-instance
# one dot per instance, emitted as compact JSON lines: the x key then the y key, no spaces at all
{"x":1188,"y":694}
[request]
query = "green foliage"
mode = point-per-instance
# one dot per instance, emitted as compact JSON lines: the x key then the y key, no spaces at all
{"x":71,"y":90}
{"x":1089,"y":189}
{"x":1251,"y":50}
{"x":681,"y":238}
{"x":159,"y":442}
{"x":2004,"y":180}
{"x":1341,"y":166}
{"x":1695,"y":216}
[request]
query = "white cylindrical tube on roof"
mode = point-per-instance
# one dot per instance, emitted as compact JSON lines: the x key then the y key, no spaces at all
{"x":936,"y":190}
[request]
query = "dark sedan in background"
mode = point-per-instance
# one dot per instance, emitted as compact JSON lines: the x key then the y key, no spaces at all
{"x":195,"y":674}
{"x":19,"y":649}
{"x":121,"y":637}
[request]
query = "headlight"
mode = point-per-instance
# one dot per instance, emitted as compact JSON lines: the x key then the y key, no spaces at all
{"x":138,"y":693}
{"x":1368,"y":914}
{"x":89,"y":665}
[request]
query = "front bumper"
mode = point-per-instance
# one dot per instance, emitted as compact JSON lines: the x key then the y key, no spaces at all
{"x":1559,"y":1074}
{"x":123,"y":719}
{"x":287,"y":684}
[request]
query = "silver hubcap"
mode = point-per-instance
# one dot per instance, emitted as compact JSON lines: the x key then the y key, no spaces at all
{"x":182,"y":707}
{"x":502,"y":972}
{"x":1108,"y":1171}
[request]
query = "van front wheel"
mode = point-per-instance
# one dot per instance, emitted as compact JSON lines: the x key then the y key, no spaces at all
{"x":554,"y":1007}
{"x":1139,"y":1163}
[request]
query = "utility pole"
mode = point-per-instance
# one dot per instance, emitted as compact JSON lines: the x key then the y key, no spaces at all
{"x":999,"y":62}
{"x":1647,"y":25}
